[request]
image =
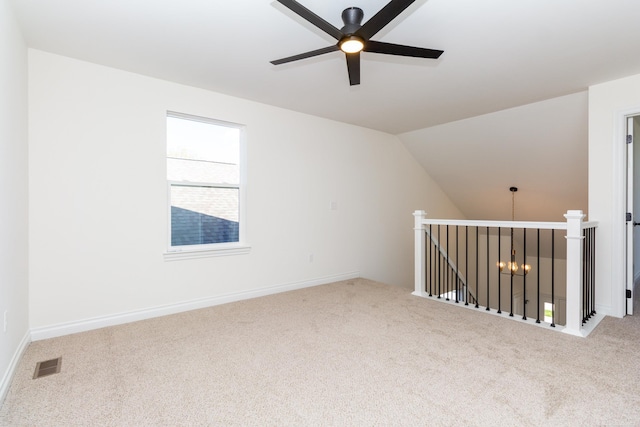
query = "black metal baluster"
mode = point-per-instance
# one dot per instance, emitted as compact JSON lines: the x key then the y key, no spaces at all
{"x":590,"y":231}
{"x":588,"y":274}
{"x":488,"y":301}
{"x":466,"y":263}
{"x":448,"y":264}
{"x":538,"y":274}
{"x":585,"y":293}
{"x":431,"y":246}
{"x":589,"y":278}
{"x":427,"y":256}
{"x":524,"y":277}
{"x":590,"y":268}
{"x":553,"y":278}
{"x":477,"y":263}
{"x":499,"y":273}
{"x":513,"y":260}
{"x":439,"y":266}
{"x":590,"y":282}
{"x":585,"y":266}
{"x":593,"y":272}
{"x":457,"y":265}
{"x":427,"y":243}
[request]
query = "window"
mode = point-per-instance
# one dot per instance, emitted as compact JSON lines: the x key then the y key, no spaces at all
{"x":204,"y":174}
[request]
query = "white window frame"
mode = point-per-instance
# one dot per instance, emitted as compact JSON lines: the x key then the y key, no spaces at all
{"x":211,"y":249}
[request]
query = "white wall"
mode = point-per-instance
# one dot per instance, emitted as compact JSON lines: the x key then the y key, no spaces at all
{"x":608,"y":104}
{"x":13,"y":195}
{"x":98,"y":212}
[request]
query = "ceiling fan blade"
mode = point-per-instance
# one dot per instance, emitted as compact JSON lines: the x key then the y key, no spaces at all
{"x":382,"y":18}
{"x":306,"y":55}
{"x":353,"y":66}
{"x":401,"y":50}
{"x":312,"y":18}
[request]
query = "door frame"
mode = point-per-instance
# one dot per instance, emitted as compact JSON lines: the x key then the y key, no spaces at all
{"x":629,"y":227}
{"x":619,"y":200}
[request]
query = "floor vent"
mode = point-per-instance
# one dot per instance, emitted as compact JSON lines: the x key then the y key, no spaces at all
{"x":47,"y":367}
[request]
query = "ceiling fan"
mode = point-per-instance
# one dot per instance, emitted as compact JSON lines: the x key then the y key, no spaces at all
{"x":355,"y":37}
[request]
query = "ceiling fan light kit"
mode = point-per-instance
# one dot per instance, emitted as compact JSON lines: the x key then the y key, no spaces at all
{"x":354,"y":37}
{"x":351,"y":44}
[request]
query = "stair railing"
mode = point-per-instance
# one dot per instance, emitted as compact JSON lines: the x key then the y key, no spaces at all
{"x":461,"y":269}
{"x":461,"y":291}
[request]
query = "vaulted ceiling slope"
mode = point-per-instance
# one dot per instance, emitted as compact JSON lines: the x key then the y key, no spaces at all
{"x":498,"y":54}
{"x":541,"y":148}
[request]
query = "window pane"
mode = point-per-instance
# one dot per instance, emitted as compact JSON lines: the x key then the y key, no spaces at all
{"x":203,"y":215}
{"x":198,"y":151}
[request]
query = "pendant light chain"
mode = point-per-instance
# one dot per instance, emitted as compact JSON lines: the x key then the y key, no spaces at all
{"x":513,"y":265}
{"x":513,"y":202}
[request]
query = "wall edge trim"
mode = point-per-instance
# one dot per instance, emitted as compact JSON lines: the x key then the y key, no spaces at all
{"x":5,"y":384}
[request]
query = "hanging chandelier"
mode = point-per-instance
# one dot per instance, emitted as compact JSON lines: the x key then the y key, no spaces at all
{"x":512,"y":266}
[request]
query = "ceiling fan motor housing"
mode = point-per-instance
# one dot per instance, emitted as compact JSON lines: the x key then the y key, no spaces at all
{"x":352,"y":18}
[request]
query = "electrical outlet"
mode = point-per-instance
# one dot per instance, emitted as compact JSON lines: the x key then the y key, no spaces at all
{"x":5,"y":321}
{"x":310,"y":257}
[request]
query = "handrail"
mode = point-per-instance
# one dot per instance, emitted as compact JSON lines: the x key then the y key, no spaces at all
{"x":507,"y":224}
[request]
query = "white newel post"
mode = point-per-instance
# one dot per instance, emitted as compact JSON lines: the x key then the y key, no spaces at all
{"x":574,"y":272}
{"x":420,"y":253}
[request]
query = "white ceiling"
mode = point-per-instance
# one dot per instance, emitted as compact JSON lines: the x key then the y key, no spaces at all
{"x":499,"y":54}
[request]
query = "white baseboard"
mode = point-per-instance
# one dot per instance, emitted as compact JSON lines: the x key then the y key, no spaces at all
{"x":13,"y":364}
{"x":588,"y":327}
{"x":73,"y":327}
{"x":605,"y":310}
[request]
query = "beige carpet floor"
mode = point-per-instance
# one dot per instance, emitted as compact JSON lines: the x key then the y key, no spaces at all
{"x":352,"y":353}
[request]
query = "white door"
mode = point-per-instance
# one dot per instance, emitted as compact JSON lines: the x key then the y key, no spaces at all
{"x":630,"y":214}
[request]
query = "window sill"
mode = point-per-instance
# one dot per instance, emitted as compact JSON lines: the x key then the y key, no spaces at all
{"x":205,"y":253}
